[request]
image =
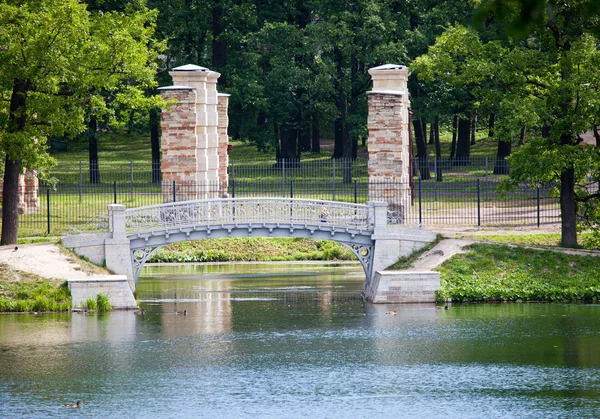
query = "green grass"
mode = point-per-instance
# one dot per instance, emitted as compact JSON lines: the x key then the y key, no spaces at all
{"x":23,"y":292}
{"x":112,"y":146}
{"x":503,"y":273}
{"x":252,"y":249}
{"x":407,"y":262}
{"x":588,"y":241}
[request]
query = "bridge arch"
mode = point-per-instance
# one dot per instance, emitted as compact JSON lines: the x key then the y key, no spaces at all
{"x":152,"y":227}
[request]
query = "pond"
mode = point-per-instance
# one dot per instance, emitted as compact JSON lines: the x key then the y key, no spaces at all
{"x":296,"y":340}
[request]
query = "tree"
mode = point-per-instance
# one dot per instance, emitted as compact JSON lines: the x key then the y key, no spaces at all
{"x":55,"y":52}
{"x":545,"y":80}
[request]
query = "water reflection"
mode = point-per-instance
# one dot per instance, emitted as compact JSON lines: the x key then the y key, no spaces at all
{"x":297,"y":341}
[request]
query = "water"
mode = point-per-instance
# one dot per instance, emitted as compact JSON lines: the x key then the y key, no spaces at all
{"x":272,"y":341}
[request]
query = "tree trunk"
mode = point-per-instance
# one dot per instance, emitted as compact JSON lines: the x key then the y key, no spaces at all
{"x":288,"y":143}
{"x":522,"y":135}
{"x":155,"y":143}
{"x":474,"y":128}
{"x":316,"y":135}
{"x":431,"y":134}
{"x":504,"y":149}
{"x":463,"y":142}
{"x":10,"y":202}
{"x":93,"y":150}
{"x":568,"y":208}
{"x":219,"y":46}
{"x":341,"y":134}
{"x":454,"y":135}
{"x":438,"y":149}
{"x":491,"y":125}
{"x":597,"y":136}
{"x":421,"y":143}
{"x":12,"y":165}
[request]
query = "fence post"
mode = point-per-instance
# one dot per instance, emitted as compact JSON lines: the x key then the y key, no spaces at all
{"x":478,"y":203}
{"x":291,"y":189}
{"x":80,"y":182}
{"x":435,"y":179}
{"x":48,"y":207}
{"x":420,"y":203}
{"x":538,"y":207}
{"x":282,"y":177}
{"x":333,"y":181}
{"x":115,"y":191}
{"x":232,"y":179}
{"x":174,"y":192}
{"x":131,"y":178}
{"x":486,"y":178}
{"x":355,"y":193}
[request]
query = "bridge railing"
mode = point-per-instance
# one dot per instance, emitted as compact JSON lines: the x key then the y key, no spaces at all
{"x":251,"y":211}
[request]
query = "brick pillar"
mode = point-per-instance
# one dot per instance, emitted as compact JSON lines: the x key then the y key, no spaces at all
{"x":212,"y":134}
{"x":28,"y":192}
{"x":204,"y":82}
{"x":388,"y":145}
{"x":31,"y":187}
{"x":222,"y":109}
{"x":179,"y":143}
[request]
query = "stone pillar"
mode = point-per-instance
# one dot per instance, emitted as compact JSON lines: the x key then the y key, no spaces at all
{"x":222,"y":109}
{"x":179,"y":143}
{"x":388,"y":145}
{"x":204,"y":83}
{"x":117,"y":249}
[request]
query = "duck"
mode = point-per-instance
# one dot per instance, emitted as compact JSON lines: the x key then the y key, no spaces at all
{"x":393,"y":312}
{"x":184,"y":312}
{"x":73,"y":405}
{"x":139,"y":312}
{"x":440,"y":307}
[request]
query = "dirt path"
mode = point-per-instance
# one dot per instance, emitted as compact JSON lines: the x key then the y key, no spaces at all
{"x":46,"y":260}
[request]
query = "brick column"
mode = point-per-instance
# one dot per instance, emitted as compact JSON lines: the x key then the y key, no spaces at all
{"x":222,"y":109}
{"x":179,"y":143}
{"x":204,"y":82}
{"x":388,"y":145}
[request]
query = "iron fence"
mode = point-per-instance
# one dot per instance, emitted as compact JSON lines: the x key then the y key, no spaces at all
{"x":70,"y":208}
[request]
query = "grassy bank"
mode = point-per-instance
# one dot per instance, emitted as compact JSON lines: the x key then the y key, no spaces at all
{"x":589,"y":241}
{"x":25,"y":292}
{"x":252,"y":249}
{"x":503,"y":273}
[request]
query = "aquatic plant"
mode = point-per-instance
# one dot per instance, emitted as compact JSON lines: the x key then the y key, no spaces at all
{"x":102,"y":302}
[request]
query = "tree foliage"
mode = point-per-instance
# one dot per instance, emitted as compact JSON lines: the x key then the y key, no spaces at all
{"x":547,"y":81}
{"x":58,"y":61}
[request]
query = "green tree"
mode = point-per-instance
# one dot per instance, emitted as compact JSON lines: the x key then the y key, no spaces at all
{"x":56,"y":58}
{"x":547,"y":81}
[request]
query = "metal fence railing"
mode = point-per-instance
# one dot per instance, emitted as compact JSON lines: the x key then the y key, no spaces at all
{"x":465,"y":195}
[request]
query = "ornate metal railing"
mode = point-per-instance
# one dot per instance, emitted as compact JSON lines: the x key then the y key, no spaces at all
{"x":250,"y":211}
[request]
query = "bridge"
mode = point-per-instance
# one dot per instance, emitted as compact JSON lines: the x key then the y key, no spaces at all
{"x":152,"y":227}
{"x":136,"y":233}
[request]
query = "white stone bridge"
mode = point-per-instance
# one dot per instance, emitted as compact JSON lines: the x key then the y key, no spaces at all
{"x":134,"y":234}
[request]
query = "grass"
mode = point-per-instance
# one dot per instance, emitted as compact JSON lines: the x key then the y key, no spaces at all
{"x":490,"y":272}
{"x":24,"y":292}
{"x":407,"y":262}
{"x":251,"y":249}
{"x":587,"y":241}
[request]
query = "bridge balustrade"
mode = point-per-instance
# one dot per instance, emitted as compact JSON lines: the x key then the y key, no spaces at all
{"x":250,"y":211}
